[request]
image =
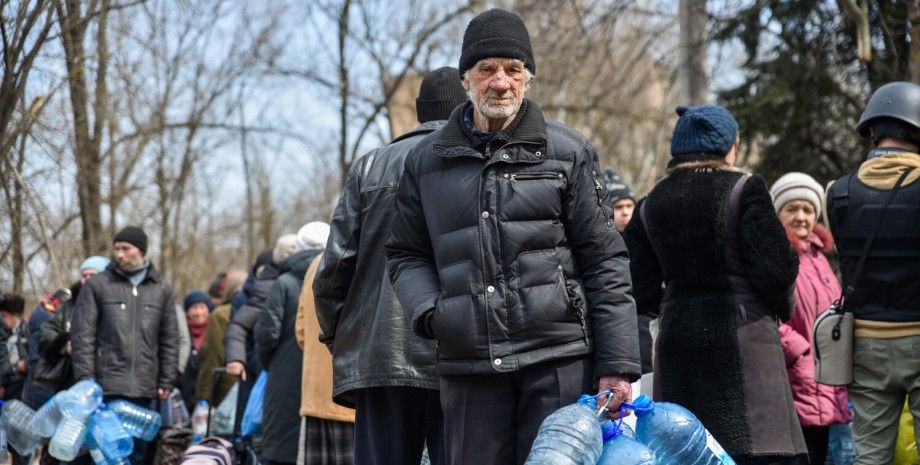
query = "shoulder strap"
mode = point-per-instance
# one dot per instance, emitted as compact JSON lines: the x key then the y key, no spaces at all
{"x":734,"y":199}
{"x":857,"y":273}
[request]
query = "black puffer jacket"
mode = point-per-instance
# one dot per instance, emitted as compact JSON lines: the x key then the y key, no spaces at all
{"x":238,"y":344}
{"x":125,"y":336}
{"x":360,"y":317}
{"x":510,"y":244}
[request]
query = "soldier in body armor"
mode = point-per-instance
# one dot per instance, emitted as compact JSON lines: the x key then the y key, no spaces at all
{"x":885,"y":296}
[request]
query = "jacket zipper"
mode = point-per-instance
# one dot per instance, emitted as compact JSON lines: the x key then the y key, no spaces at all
{"x":515,"y":177}
{"x":136,"y":335}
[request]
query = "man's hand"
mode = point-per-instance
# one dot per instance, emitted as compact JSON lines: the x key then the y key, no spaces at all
{"x":236,"y":369}
{"x":21,"y":367}
{"x":621,"y":391}
{"x":163,"y":393}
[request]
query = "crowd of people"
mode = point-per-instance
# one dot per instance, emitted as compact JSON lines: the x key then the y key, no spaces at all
{"x":482,"y":271}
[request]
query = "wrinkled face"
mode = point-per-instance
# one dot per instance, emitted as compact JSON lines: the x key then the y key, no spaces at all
{"x":496,"y":86}
{"x":197,"y":314}
{"x":798,"y":217}
{"x":86,"y":274}
{"x":622,"y":213}
{"x":128,"y":256}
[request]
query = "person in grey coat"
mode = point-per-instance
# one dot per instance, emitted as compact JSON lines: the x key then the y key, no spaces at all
{"x":124,"y":332}
{"x":280,"y":355}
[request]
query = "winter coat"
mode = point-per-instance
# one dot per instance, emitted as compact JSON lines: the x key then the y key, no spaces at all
{"x":816,"y":288}
{"x":511,"y":245}
{"x":125,"y":336}
{"x":53,"y":336}
{"x":211,"y":356}
{"x":728,"y":279}
{"x":280,"y":355}
{"x":352,"y":286}
{"x":238,"y":342}
{"x":316,"y":371}
{"x":14,"y":347}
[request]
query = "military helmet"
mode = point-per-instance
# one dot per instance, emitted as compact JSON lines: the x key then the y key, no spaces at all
{"x":896,"y":100}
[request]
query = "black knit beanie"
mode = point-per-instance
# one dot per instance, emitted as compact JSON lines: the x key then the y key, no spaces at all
{"x":441,"y":91}
{"x":496,"y":33}
{"x":134,"y":236}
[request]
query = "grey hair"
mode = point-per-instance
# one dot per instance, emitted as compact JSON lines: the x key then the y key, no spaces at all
{"x":528,"y":76}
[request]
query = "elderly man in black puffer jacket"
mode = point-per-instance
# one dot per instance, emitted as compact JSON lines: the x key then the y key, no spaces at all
{"x":503,"y":250}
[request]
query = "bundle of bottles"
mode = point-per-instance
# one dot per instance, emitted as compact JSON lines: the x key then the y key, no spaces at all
{"x":77,"y":418}
{"x":666,"y":434}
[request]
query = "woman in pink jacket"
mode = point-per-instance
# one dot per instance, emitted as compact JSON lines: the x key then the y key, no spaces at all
{"x":798,"y":200}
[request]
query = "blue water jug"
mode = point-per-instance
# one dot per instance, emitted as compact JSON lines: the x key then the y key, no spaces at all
{"x":138,"y":421}
{"x":67,"y":439}
{"x":85,"y":398}
{"x":570,"y":436}
{"x":675,"y":435}
{"x":621,"y":449}
{"x":46,"y":419}
{"x":108,"y":434}
{"x":16,"y":419}
{"x":98,"y":457}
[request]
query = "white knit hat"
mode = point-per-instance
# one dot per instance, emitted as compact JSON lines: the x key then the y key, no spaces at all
{"x":284,"y":247}
{"x":797,"y":186}
{"x":312,"y":236}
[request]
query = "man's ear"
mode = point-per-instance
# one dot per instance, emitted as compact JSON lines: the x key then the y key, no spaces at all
{"x":466,"y":84}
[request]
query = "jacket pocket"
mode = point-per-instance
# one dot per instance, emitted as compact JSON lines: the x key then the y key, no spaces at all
{"x":577,"y":302}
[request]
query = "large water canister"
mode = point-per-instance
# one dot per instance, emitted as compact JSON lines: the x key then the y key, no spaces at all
{"x":620,"y":447}
{"x":570,"y":436}
{"x":675,"y":435}
{"x":16,"y":420}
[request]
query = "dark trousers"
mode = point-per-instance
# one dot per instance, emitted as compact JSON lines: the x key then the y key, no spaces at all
{"x":797,"y":460}
{"x":816,"y":439}
{"x":493,"y":419}
{"x":393,"y":424}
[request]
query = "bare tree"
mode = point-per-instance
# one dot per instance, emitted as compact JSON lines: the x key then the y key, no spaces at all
{"x":377,"y":47}
{"x":694,"y":44}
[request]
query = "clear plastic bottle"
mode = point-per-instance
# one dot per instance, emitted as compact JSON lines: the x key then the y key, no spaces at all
{"x":570,"y":436}
{"x":140,"y":422}
{"x":85,"y":398}
{"x":16,"y":419}
{"x":621,"y":449}
{"x":46,"y":419}
{"x":108,"y":434}
{"x":675,"y":435}
{"x":98,"y":457}
{"x":173,"y":410}
{"x":67,"y":439}
{"x":200,"y":421}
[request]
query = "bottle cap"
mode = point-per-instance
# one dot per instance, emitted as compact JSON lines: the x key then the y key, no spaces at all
{"x":610,"y":429}
{"x":643,"y":405}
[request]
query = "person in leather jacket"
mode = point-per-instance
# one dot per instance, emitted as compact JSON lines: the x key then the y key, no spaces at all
{"x":380,"y":367}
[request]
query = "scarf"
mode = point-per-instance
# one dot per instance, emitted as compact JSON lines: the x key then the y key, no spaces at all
{"x":883,"y":171}
{"x":197,"y":333}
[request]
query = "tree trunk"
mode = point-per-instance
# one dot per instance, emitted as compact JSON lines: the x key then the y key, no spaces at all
{"x":86,"y":146}
{"x":693,"y":80}
{"x":913,"y":11}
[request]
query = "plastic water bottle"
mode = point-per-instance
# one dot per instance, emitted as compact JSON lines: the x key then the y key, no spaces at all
{"x":138,"y":421}
{"x":675,"y":435}
{"x":46,"y":419}
{"x":16,"y":419}
{"x":108,"y":434}
{"x":98,"y":457}
{"x":570,"y":436}
{"x":173,"y":410}
{"x":620,"y":449}
{"x":85,"y":398}
{"x":67,"y":439}
{"x":200,"y":421}
{"x":4,"y":455}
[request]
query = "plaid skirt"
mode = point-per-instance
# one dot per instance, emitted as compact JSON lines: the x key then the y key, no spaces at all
{"x":326,"y":442}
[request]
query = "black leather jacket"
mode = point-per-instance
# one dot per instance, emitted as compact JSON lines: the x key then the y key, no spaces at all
{"x":510,"y":243}
{"x":358,"y":312}
{"x":125,"y":336}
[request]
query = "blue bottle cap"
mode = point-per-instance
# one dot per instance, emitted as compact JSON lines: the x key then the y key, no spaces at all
{"x":610,"y":429}
{"x":643,"y":405}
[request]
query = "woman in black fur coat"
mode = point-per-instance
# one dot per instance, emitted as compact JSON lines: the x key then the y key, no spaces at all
{"x":710,"y":234}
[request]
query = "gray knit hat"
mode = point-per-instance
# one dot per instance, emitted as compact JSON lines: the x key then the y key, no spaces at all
{"x":797,"y":186}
